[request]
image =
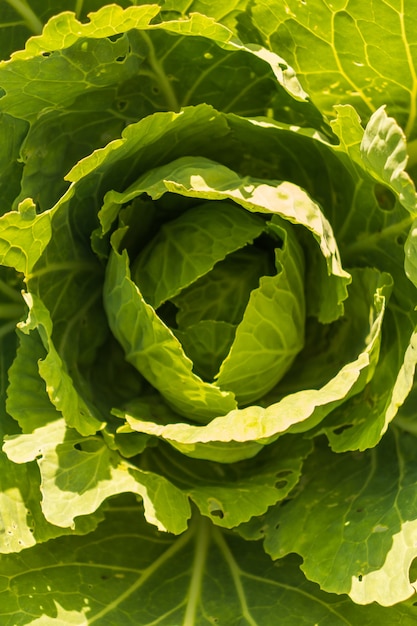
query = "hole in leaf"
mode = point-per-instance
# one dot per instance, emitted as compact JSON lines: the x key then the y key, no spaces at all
{"x":78,"y":446}
{"x":215,"y":509}
{"x":155,"y":90}
{"x":280,"y":484}
{"x":400,"y":240}
{"x":47,"y":53}
{"x":121,"y":105}
{"x":283,"y":473}
{"x":412,"y":572}
{"x":384,"y":197}
{"x":342,"y":429}
{"x":360,"y":578}
{"x":120,"y":59}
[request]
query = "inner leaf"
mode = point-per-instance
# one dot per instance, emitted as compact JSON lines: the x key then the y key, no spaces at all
{"x":223,"y":293}
{"x":189,"y":246}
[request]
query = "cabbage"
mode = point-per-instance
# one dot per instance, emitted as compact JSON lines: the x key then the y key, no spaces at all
{"x":208,"y":328}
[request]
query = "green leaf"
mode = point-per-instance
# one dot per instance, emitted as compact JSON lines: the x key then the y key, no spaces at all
{"x":383,"y":199}
{"x":23,"y":18}
{"x":384,"y":151}
{"x":218,"y":10}
{"x":78,"y":474}
{"x":207,"y":344}
{"x":154,"y":350}
{"x":231,"y":494}
{"x":363,"y":55}
{"x":271,"y":332}
{"x":188,"y":247}
{"x":170,"y":581}
{"x":366,"y":503}
{"x":22,"y":521}
{"x":27,"y":399}
{"x":105,"y":84}
{"x":223,"y":293}
{"x":59,"y":384}
{"x":361,"y":421}
{"x":24,"y":236}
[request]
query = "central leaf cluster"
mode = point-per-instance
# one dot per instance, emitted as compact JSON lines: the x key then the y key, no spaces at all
{"x":203,"y":273}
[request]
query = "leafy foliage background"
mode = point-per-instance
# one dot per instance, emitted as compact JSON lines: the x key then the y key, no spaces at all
{"x":119,"y":568}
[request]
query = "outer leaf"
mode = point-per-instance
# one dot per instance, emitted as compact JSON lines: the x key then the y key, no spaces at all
{"x":22,"y":18}
{"x":361,"y":421}
{"x":384,"y":152}
{"x":366,"y":502}
{"x":27,"y":399}
{"x":22,"y":523}
{"x":59,"y":385}
{"x":203,"y":577}
{"x":142,"y":71}
{"x":24,"y":236}
{"x":363,"y":54}
{"x":217,"y":9}
{"x":232,"y":494}
{"x":78,"y":474}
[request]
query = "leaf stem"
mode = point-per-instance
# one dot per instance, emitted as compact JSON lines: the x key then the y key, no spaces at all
{"x":164,"y":82}
{"x":201,"y":543}
{"x":30,"y":18}
{"x":78,"y":7}
{"x":236,"y":576}
{"x":364,"y":243}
